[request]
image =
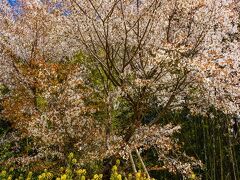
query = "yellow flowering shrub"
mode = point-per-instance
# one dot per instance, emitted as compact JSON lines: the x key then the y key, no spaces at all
{"x":70,"y":172}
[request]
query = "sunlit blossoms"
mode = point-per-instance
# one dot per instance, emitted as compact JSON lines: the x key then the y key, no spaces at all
{"x":86,"y":73}
{"x":165,"y":49}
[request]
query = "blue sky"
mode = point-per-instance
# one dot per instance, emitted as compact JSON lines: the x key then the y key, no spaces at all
{"x":13,"y":2}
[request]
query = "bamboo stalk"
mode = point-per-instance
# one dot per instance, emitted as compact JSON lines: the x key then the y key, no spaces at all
{"x":214,"y":149}
{"x":132,"y":163}
{"x":221,"y":157}
{"x":205,"y":148}
{"x":143,"y":165}
{"x":236,"y":163}
{"x":231,"y":156}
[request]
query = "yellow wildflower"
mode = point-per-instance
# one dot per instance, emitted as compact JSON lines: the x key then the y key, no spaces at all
{"x":193,"y":176}
{"x":119,"y":177}
{"x":117,"y":162}
{"x":64,"y":177}
{"x":30,"y":174}
{"x":49,"y":175}
{"x":114,"y":168}
{"x":43,"y":175}
{"x":95,"y":176}
{"x":71,"y":155}
{"x":74,"y":161}
{"x":79,"y":172}
{"x":138,"y":175}
{"x":4,"y":173}
{"x":61,"y":169}
{"x":84,"y":171}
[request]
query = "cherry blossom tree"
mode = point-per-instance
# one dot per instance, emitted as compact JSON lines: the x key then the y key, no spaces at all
{"x":175,"y":53}
{"x":165,"y":48}
{"x":47,"y":97}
